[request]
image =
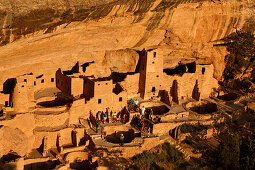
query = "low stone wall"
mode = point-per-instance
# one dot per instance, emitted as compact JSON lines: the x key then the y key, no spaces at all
{"x":65,"y":137}
{"x":51,"y":120}
{"x":50,"y":109}
{"x":164,"y":128}
{"x":52,"y":138}
{"x":111,"y":129}
{"x":149,"y":143}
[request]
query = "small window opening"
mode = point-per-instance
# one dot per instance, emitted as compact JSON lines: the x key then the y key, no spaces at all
{"x":6,"y":103}
{"x":153,"y":62}
{"x":153,"y":89}
{"x":120,"y":99}
{"x":154,"y":54}
{"x":42,"y":81}
{"x":106,"y":83}
{"x":203,"y":70}
{"x":34,"y":83}
{"x":143,"y":66}
{"x":25,"y":80}
{"x":22,"y":86}
{"x":52,"y":79}
{"x":99,"y":101}
{"x":99,"y":84}
{"x":157,"y":75}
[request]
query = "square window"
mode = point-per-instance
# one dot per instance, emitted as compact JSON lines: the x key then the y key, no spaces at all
{"x":153,"y":62}
{"x":153,"y":89}
{"x":52,"y":79}
{"x":120,"y":99}
{"x":42,"y":81}
{"x":203,"y":70}
{"x":106,"y":83}
{"x":25,"y":80}
{"x":99,"y":101}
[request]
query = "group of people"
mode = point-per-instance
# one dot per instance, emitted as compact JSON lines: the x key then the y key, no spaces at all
{"x":140,"y":120}
{"x":112,"y":117}
{"x":133,"y":105}
{"x":146,"y":113}
{"x":142,"y":124}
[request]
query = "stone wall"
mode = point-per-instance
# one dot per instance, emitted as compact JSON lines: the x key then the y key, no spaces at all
{"x":88,"y":88}
{"x":4,"y":99}
{"x":164,"y":128}
{"x":20,"y":100}
{"x":76,"y":86}
{"x":63,"y":82}
{"x":51,"y":120}
{"x":79,"y":109}
{"x":187,"y":82}
{"x":52,"y":138}
{"x":65,"y":137}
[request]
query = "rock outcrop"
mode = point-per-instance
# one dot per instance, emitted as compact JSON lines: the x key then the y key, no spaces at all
{"x":13,"y":140}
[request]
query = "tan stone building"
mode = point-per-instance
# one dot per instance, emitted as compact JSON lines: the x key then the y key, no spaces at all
{"x":189,"y":80}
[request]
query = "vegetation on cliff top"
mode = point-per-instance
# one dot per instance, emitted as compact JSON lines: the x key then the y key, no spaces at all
{"x":240,"y":66}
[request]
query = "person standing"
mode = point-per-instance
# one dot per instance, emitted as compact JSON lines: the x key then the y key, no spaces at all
{"x":122,"y":138}
{"x":143,"y":111}
{"x":115,"y":116}
{"x":102,"y":116}
{"x":99,"y":116}
{"x":105,"y":117}
{"x":149,"y":132}
{"x":136,"y":105}
{"x":151,"y":113}
{"x":97,"y":128}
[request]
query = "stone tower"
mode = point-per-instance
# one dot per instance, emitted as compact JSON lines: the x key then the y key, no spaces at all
{"x":151,"y":73}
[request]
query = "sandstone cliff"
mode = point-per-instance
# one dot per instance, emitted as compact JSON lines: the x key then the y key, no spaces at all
{"x":40,"y":36}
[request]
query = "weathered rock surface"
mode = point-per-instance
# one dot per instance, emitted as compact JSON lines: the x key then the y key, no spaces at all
{"x":17,"y":134}
{"x":13,"y":140}
{"x":41,"y":36}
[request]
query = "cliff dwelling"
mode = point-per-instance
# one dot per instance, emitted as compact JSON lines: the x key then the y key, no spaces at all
{"x":127,"y":84}
{"x":68,"y":109}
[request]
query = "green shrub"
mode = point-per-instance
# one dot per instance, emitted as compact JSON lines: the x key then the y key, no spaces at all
{"x":188,"y":128}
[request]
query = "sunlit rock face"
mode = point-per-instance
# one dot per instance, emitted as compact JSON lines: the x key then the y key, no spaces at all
{"x":41,"y":36}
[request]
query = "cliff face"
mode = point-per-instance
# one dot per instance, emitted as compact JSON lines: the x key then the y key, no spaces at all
{"x":40,"y":36}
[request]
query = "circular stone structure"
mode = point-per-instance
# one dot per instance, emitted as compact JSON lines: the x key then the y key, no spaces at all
{"x":129,"y":136}
{"x":60,"y":100}
{"x":78,"y":159}
{"x":158,"y":108}
{"x":74,"y":156}
{"x":203,"y":107}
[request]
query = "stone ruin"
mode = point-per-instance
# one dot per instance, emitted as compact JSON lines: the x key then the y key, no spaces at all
{"x":57,"y":112}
